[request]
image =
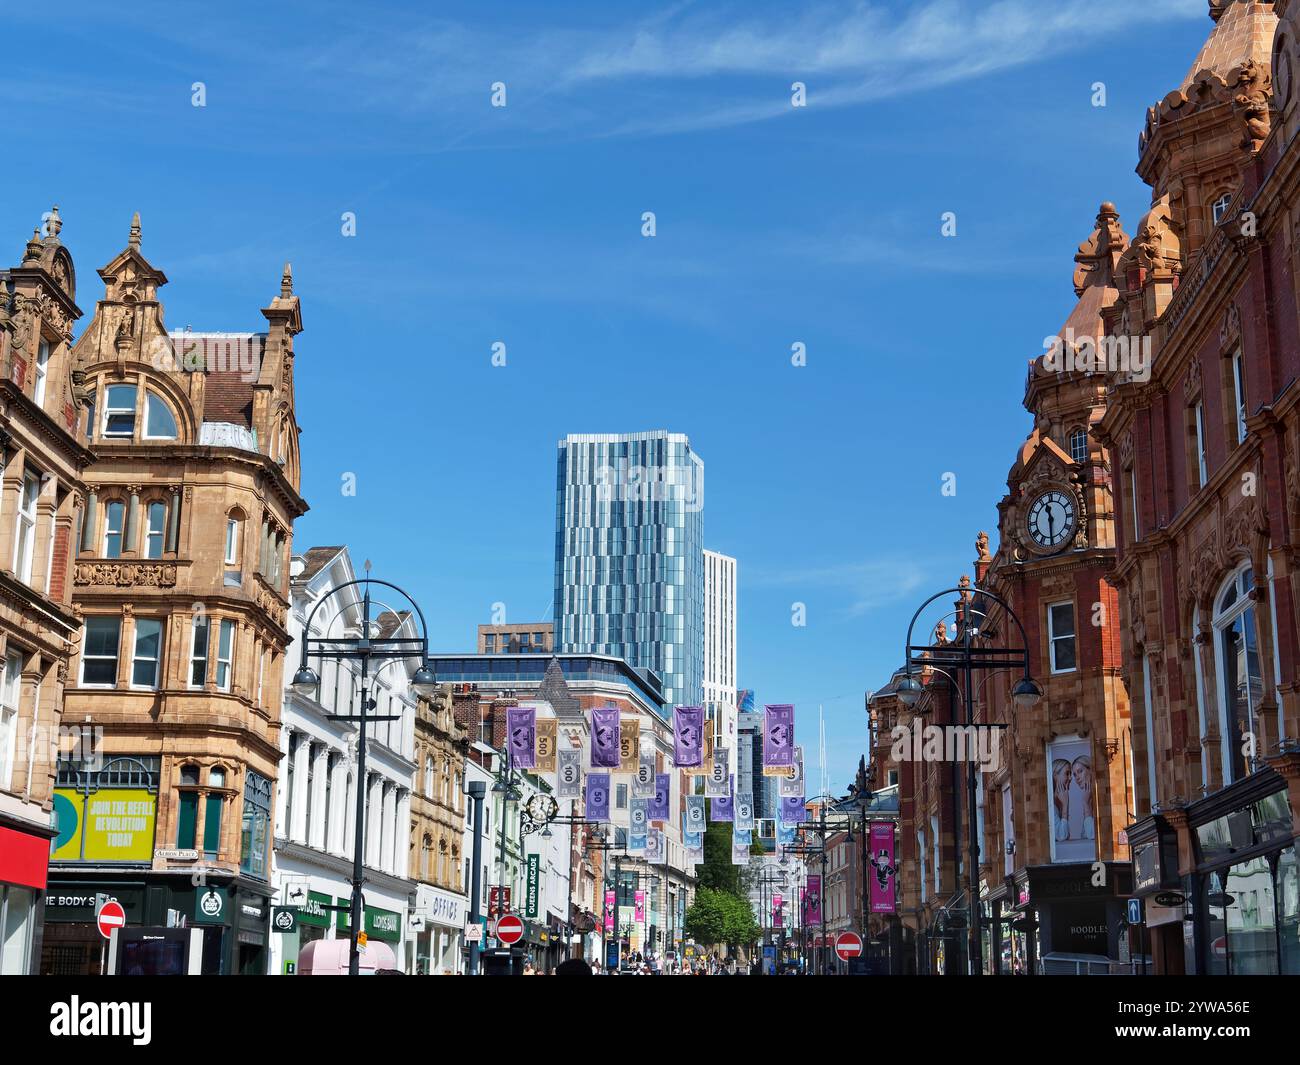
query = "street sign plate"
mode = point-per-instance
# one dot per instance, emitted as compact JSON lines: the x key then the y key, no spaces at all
{"x":848,"y":945}
{"x":110,"y":916}
{"x":1134,"y":911}
{"x":473,"y":933}
{"x":510,"y":929}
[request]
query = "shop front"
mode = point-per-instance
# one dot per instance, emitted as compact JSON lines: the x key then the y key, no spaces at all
{"x":1063,"y":919}
{"x":438,"y":929}
{"x":24,"y":862}
{"x":1242,"y":915}
{"x":233,"y":912}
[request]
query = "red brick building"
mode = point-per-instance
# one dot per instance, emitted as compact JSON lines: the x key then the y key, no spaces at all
{"x":1207,"y":472}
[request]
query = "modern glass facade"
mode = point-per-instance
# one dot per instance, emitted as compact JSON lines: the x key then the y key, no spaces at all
{"x":629,"y":572}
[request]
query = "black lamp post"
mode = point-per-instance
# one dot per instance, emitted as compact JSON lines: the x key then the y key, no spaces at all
{"x":364,"y":649}
{"x":822,"y":828}
{"x":967,"y":655}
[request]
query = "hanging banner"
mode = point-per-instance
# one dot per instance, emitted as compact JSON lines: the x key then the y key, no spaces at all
{"x":792,"y":809}
{"x":778,"y":739}
{"x":688,"y":736}
{"x":717,"y":784}
{"x":609,"y":912}
{"x":722,"y":809}
{"x":547,"y":736}
{"x":643,"y":784}
{"x":597,"y":796}
{"x":744,"y":810}
{"x":656,"y":848}
{"x":629,"y":745}
{"x":785,"y":834}
{"x":695,"y":855}
{"x":568,"y":775}
{"x":531,"y":886}
{"x":694,"y":814}
{"x":740,"y":836}
{"x":813,"y":900}
{"x":604,"y":738}
{"x":521,"y":736}
{"x":692,"y":840}
{"x":660,"y":804}
{"x":792,"y":784}
{"x":639,"y":915}
{"x":778,"y":915}
{"x":703,"y":768}
{"x":638,"y":820}
{"x":739,"y":853}
{"x":881,"y":848}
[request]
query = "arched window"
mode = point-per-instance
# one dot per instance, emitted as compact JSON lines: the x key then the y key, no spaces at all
{"x":1220,"y":207}
{"x":159,"y":422}
{"x":156,"y":533}
{"x":234,"y":529}
{"x":1078,"y":445}
{"x":114,"y":516}
{"x":1241,"y":683}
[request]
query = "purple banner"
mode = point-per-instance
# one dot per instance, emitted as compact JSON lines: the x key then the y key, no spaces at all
{"x":792,"y":809}
{"x":814,"y":900}
{"x":778,"y":736}
{"x":688,"y":736}
{"x":605,"y":738}
{"x":521,"y":736}
{"x":659,"y":804}
{"x":778,"y":915}
{"x":597,"y":796}
{"x":881,"y":849}
{"x":722,"y":809}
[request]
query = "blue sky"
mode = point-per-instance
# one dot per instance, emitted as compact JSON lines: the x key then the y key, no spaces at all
{"x":522,"y":225}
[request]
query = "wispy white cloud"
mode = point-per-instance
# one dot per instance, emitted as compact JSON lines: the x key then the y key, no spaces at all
{"x":862,"y":586}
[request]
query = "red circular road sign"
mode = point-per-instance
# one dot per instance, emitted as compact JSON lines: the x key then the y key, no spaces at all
{"x":110,"y":916}
{"x":510,"y":929}
{"x":848,"y":945}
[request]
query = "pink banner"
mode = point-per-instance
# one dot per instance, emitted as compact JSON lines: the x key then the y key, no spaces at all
{"x":881,"y":847}
{"x":609,"y":911}
{"x":814,"y":900}
{"x":640,"y":907}
{"x":778,"y":920}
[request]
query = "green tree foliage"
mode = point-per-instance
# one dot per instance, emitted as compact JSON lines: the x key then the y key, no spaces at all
{"x":706,"y":920}
{"x":717,"y":872}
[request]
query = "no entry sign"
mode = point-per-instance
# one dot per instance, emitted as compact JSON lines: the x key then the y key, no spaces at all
{"x":110,"y":916}
{"x":848,"y":945}
{"x":510,"y":929}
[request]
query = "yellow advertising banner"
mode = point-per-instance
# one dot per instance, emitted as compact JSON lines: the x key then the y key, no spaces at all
{"x":629,"y":744}
{"x":110,"y":825}
{"x":546,"y":744}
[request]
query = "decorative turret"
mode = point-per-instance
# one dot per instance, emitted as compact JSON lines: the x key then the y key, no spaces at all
{"x":1198,"y":138}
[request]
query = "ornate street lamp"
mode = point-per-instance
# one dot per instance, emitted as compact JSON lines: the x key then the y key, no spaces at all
{"x":370,"y":651}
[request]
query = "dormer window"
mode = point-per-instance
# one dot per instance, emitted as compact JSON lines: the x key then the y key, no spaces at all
{"x":1220,"y":207}
{"x":159,"y":422}
{"x":119,"y":411}
{"x":131,"y":406}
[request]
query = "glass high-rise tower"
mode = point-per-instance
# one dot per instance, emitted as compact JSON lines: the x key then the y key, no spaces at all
{"x":629,"y":554}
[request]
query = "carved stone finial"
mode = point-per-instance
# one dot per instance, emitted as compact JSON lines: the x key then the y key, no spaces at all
{"x":53,"y":223}
{"x":286,"y":280}
{"x":940,"y":633}
{"x":982,"y":546}
{"x":1099,"y":253}
{"x":33,"y":251}
{"x":133,"y":242}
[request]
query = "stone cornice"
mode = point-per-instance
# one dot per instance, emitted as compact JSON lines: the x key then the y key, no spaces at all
{"x":58,"y":437}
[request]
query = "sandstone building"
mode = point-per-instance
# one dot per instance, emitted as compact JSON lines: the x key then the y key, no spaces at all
{"x":179,"y":581}
{"x":42,"y":462}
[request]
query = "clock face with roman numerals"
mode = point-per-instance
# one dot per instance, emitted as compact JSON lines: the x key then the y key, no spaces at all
{"x":1051,"y":520}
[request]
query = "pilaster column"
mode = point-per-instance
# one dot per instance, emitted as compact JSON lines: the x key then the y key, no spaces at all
{"x":287,"y":733}
{"x":320,"y":756}
{"x":89,"y":520}
{"x":298,"y":829}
